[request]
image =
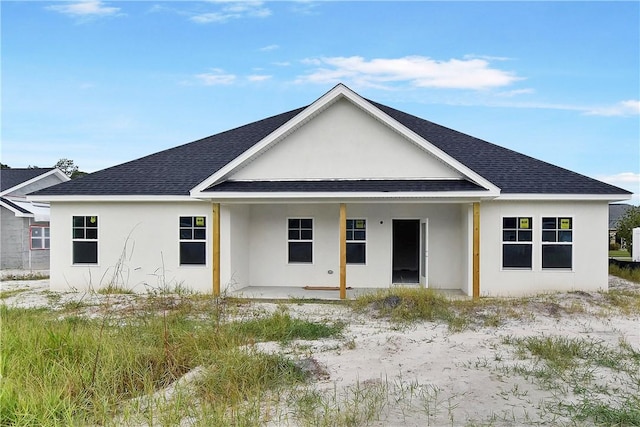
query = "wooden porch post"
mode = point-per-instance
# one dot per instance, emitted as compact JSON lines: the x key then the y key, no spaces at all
{"x":476,"y":250}
{"x":343,"y":251}
{"x":216,"y":249}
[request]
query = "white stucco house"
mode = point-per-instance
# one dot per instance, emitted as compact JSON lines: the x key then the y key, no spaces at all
{"x":24,"y":224}
{"x":344,"y":192}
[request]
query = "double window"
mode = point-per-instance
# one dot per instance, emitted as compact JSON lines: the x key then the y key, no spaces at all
{"x":193,"y":240}
{"x":39,"y":237}
{"x":517,"y":242}
{"x":356,"y":241}
{"x":85,"y":239}
{"x":300,"y":240}
{"x":557,"y":242}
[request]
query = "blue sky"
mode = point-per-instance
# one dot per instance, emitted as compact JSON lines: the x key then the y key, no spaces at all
{"x":104,"y":82}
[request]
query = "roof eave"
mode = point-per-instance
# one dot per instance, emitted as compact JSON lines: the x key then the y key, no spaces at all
{"x":111,"y":198}
{"x":307,"y":197}
{"x":560,"y":196}
{"x":54,"y":171}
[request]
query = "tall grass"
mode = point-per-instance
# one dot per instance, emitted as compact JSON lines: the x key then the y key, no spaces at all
{"x":632,"y":275}
{"x":74,"y":370}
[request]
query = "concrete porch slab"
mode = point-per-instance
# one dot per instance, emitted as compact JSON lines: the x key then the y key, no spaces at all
{"x":292,"y":292}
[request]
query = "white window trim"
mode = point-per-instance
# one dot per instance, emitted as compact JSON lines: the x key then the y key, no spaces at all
{"x":543,"y":243}
{"x":205,"y":240}
{"x":313,"y":245}
{"x":365,"y":241}
{"x":97,"y":240}
{"x":531,"y":243}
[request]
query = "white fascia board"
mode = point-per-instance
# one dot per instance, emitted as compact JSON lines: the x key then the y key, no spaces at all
{"x":16,"y":212}
{"x":338,"y":92}
{"x":333,"y":196}
{"x":54,"y":171}
{"x":133,"y":198}
{"x":554,"y":197}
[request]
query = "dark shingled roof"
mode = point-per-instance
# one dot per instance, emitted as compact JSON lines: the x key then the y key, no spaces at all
{"x":509,"y":170}
{"x":177,"y":170}
{"x":11,"y":177}
{"x":174,"y":171}
{"x":616,"y":211}
{"x":387,"y":186}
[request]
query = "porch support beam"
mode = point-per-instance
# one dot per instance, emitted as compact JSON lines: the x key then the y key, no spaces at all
{"x":476,"y":250}
{"x":216,"y":249}
{"x":343,"y":251}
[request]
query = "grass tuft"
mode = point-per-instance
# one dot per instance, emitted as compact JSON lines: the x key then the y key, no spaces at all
{"x":632,"y":275}
{"x":77,"y":370}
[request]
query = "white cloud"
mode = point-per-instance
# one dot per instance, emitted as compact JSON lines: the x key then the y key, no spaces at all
{"x":229,"y":10}
{"x":216,"y":77}
{"x":516,"y":92}
{"x":269,"y":48}
{"x":90,"y":8}
{"x":627,"y":180}
{"x":258,"y":77}
{"x":622,"y":108}
{"x":420,"y":71}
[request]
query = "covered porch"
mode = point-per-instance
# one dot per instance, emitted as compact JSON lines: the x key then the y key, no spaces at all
{"x":291,"y":250}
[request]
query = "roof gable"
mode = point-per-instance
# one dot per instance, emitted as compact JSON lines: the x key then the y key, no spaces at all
{"x":21,"y":181}
{"x":437,"y":164}
{"x":343,"y":142}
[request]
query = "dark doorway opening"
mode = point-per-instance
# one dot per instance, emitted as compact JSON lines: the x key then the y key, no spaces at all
{"x":406,"y":251}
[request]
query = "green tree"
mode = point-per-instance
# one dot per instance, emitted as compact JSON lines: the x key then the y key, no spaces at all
{"x":626,"y":224}
{"x":69,"y":168}
{"x":3,"y":166}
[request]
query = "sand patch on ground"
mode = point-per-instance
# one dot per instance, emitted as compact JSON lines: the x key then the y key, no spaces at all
{"x":411,"y":375}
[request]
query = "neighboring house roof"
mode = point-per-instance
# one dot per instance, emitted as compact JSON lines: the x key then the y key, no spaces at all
{"x":15,"y":183}
{"x":25,"y":208}
{"x":10,"y":178}
{"x":616,"y":211}
{"x":176,"y":171}
{"x":15,"y":207}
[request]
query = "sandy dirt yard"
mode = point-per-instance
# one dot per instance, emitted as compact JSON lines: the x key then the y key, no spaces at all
{"x":419,"y":374}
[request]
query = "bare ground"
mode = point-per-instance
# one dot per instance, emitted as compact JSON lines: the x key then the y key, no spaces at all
{"x":422,"y":373}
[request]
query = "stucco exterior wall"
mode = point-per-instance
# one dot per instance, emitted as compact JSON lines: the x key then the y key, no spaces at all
{"x":590,"y":265}
{"x":267,"y":244}
{"x":138,"y":246}
{"x":344,"y":142}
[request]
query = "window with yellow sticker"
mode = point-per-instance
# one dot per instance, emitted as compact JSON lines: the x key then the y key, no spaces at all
{"x":557,"y":242}
{"x":517,"y":242}
{"x":193,"y":240}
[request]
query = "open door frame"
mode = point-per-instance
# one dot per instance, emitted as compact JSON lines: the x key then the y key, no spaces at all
{"x":424,"y":252}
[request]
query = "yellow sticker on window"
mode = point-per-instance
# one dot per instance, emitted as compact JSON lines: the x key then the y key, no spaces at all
{"x":565,"y":223}
{"x":360,"y":223}
{"x":92,"y":220}
{"x":199,"y":221}
{"x":524,"y":222}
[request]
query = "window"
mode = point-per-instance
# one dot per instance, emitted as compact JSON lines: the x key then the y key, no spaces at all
{"x":39,"y":237}
{"x":300,"y":239}
{"x":356,"y":241}
{"x":517,"y":240}
{"x":193,"y":240}
{"x":85,"y":239}
{"x":557,"y":242}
